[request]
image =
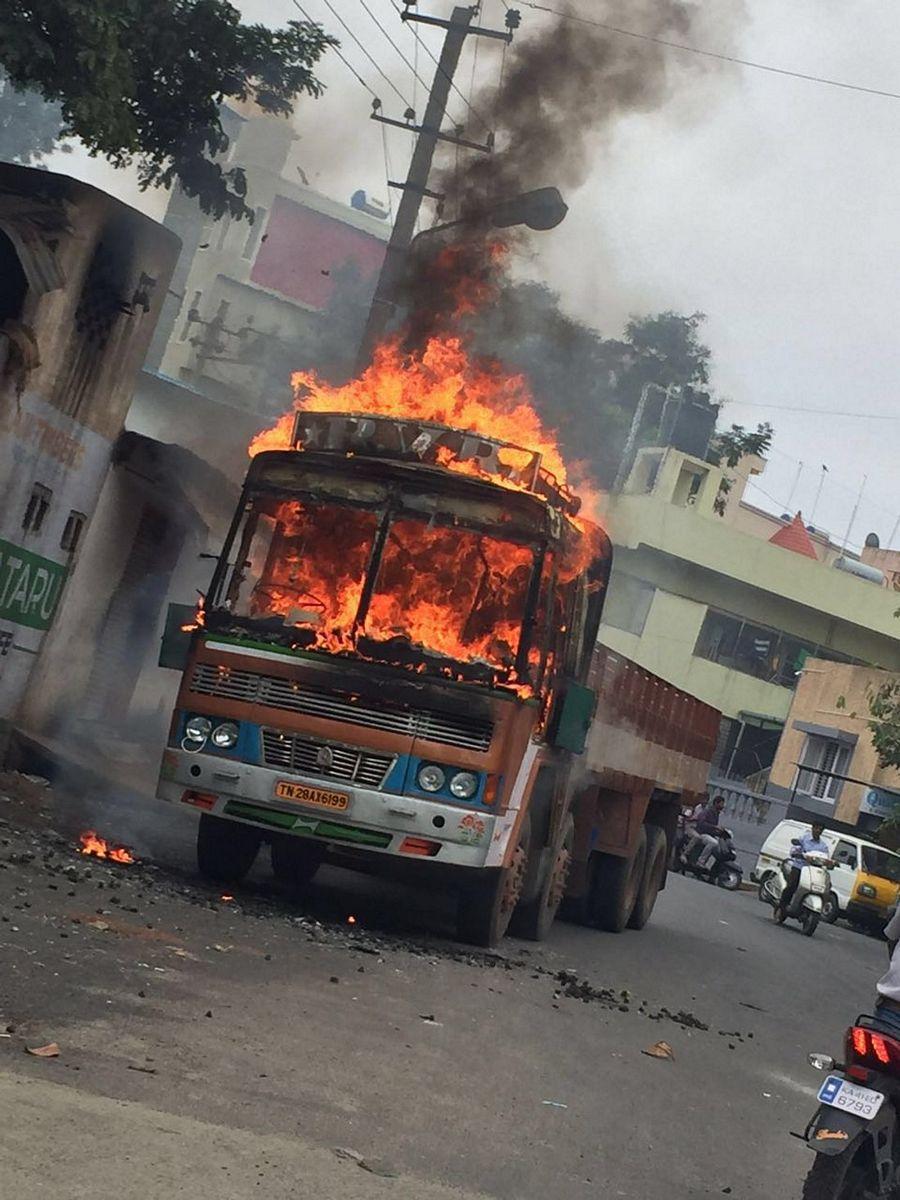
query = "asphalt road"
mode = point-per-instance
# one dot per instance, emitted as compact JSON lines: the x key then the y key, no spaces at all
{"x":225,"y":1049}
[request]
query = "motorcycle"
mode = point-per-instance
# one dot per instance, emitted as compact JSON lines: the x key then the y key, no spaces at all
{"x":855,"y":1132}
{"x":723,"y":869}
{"x":809,"y":900}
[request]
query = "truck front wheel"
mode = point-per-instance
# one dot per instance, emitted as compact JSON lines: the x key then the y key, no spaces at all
{"x":486,"y":905}
{"x":295,"y":861}
{"x":225,"y":850}
{"x":617,"y":883}
{"x":533,"y":920}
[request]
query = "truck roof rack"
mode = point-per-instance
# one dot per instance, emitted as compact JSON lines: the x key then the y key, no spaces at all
{"x":411,"y":440}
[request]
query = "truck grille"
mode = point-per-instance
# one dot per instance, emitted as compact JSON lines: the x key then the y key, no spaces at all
{"x":469,"y":733}
{"x":307,"y":756}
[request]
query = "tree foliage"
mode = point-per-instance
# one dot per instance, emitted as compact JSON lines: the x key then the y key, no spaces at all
{"x":729,"y":446}
{"x":884,"y":708}
{"x":143,"y":80}
{"x":29,"y":126}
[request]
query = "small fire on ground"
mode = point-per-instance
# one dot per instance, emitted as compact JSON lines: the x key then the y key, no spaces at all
{"x":98,"y":847}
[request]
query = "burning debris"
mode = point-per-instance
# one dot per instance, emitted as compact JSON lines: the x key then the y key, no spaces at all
{"x":98,"y":847}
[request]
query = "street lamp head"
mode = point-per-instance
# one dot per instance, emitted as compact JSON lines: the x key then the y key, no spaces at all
{"x":543,"y":208}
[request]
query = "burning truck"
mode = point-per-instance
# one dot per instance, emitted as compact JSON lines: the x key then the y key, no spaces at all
{"x":396,"y":664}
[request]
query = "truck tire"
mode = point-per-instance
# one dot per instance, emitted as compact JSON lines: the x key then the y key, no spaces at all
{"x":533,"y":920}
{"x":486,"y":905}
{"x":617,"y":885}
{"x":654,"y":874}
{"x":225,"y":850}
{"x":580,"y":909}
{"x":295,"y":861}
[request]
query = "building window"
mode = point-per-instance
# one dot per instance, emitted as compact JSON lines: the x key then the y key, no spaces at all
{"x":13,"y":282}
{"x":822,"y":760}
{"x":72,"y":532}
{"x":37,"y":508}
{"x":254,"y":234}
{"x":193,"y":314}
{"x":628,"y":603}
{"x":758,"y":650}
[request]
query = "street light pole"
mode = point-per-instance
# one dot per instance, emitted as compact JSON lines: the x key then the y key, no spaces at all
{"x":415,"y":188}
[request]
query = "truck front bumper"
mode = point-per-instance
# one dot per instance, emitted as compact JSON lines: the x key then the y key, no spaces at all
{"x":377,"y":822}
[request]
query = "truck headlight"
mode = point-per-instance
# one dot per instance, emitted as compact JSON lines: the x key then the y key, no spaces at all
{"x":464,"y":785}
{"x":866,"y":889}
{"x":197,"y":729}
{"x":431,"y":778}
{"x":225,"y":736}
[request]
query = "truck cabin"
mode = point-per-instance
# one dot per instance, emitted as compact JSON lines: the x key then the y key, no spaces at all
{"x":411,"y":545}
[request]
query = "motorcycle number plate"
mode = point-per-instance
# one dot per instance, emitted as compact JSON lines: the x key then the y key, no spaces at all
{"x":839,"y":1093}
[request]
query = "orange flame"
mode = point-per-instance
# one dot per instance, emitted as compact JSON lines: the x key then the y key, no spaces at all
{"x":447,"y":590}
{"x":93,"y":844}
{"x":199,"y":616}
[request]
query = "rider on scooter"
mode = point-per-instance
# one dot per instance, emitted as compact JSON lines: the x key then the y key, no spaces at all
{"x":809,"y":843}
{"x":708,"y":830}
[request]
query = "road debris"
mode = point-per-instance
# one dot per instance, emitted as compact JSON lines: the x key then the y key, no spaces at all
{"x":51,"y":1050}
{"x":554,"y":1104}
{"x":660,"y":1050}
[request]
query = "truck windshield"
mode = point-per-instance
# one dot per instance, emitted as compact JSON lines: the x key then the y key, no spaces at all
{"x":882,"y":863}
{"x":407,"y":588}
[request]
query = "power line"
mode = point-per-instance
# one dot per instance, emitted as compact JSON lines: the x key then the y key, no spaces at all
{"x":386,"y":78}
{"x":729,"y":58}
{"x":353,"y":71}
{"x":472,"y":109}
{"x":393,"y":43}
{"x":822,"y":412}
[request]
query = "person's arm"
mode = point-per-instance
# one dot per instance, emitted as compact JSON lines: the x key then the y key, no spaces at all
{"x":892,"y":930}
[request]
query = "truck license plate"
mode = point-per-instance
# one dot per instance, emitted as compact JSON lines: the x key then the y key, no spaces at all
{"x":850,"y":1097}
{"x":302,"y":793}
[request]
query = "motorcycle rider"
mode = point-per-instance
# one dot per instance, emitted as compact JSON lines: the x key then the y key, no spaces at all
{"x":887,"y":1007}
{"x":708,"y":830}
{"x":807,"y":843}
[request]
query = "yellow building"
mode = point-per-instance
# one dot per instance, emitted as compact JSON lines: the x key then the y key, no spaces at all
{"x":713,"y":605}
{"x":826,"y":763}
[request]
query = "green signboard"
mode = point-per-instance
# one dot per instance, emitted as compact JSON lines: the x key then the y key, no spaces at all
{"x":30,"y":586}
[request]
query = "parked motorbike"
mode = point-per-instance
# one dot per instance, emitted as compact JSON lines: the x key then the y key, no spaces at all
{"x":855,"y":1131}
{"x":722,"y":868}
{"x":809,"y":900}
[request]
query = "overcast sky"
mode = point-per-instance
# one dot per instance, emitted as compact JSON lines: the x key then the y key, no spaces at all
{"x":767,"y":202}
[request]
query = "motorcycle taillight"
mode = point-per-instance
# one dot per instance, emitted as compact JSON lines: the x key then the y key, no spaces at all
{"x":871,"y":1048}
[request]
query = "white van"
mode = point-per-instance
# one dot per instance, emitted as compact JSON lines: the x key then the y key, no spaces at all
{"x":864,"y":882}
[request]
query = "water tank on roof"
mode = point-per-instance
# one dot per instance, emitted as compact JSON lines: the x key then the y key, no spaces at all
{"x":860,"y":569}
{"x":363,"y":203}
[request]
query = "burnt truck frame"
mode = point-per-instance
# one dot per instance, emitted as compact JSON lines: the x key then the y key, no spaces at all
{"x":351,"y":751}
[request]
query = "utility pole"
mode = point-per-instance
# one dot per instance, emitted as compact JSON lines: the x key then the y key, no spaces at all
{"x":415,"y":188}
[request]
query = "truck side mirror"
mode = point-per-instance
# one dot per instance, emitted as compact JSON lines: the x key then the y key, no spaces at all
{"x":176,"y":641}
{"x":571,"y":717}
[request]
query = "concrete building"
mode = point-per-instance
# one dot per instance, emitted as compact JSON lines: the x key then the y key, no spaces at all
{"x":248,"y":304}
{"x":731,"y":616}
{"x":82,"y":278}
{"x":251,"y":303}
{"x":826,"y":764}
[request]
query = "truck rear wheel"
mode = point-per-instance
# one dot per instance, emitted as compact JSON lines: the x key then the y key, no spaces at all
{"x":616,"y":887}
{"x":654,"y":874}
{"x":533,"y":920}
{"x":486,"y":905}
{"x":225,"y":850}
{"x":295,"y":861}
